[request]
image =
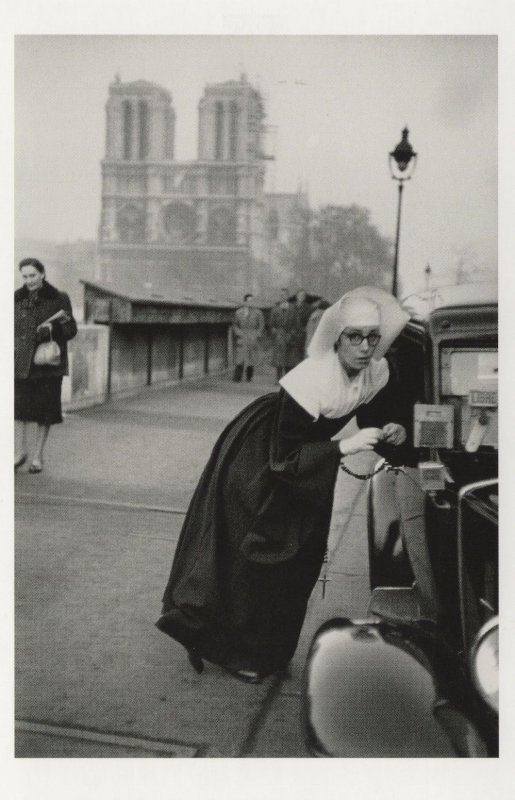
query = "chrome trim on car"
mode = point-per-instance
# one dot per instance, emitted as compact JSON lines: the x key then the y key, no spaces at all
{"x":483,"y":634}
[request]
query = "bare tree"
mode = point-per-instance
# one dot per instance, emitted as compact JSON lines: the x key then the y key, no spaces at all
{"x":348,"y":250}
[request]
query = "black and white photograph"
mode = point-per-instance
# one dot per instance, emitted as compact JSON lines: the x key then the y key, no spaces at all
{"x":256,"y":402}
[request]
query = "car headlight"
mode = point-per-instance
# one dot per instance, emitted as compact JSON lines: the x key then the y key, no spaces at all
{"x":484,"y":657}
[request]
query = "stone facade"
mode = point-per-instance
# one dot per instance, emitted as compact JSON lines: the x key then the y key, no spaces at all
{"x":202,"y":222}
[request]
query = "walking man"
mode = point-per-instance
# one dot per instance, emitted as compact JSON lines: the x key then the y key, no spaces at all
{"x":248,"y":327}
{"x":303,"y":311}
{"x":283,"y":325}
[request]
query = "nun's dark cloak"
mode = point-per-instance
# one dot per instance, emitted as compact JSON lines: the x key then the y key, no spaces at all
{"x":255,"y":534}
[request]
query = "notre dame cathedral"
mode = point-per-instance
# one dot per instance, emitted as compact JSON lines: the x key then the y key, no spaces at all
{"x":205,"y":225}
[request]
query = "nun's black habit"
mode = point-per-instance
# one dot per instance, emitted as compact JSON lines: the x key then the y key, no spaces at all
{"x":255,"y":534}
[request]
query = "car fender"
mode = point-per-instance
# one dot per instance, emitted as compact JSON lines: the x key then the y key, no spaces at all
{"x":374,"y":689}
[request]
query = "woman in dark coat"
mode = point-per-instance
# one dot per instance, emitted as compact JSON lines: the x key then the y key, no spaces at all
{"x":37,"y":389}
{"x":255,"y":534}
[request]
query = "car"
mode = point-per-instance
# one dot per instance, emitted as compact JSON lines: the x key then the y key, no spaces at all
{"x":419,"y":676}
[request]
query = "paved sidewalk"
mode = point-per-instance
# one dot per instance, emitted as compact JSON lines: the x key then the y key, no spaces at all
{"x":95,"y":535}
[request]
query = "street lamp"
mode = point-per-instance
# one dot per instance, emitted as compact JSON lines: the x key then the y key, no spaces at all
{"x":427,"y":273}
{"x":399,"y":160}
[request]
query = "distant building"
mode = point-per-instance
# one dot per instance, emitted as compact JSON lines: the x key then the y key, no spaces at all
{"x":207,"y":223}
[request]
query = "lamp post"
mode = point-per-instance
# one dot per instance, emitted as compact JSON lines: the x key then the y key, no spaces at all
{"x":427,"y":273}
{"x":399,"y":160}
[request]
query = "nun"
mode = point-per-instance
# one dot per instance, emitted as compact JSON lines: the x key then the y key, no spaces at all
{"x":255,"y":534}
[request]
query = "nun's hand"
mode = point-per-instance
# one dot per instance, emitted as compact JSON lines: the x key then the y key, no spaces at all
{"x":365,"y":439}
{"x":393,"y":433}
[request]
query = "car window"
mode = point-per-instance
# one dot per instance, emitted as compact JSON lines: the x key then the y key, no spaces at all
{"x":469,"y":382}
{"x":465,"y":370}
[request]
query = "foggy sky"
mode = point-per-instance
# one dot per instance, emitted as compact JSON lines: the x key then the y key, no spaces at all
{"x":339,"y":104}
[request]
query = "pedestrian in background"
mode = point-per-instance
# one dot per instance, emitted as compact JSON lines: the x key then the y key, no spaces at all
{"x":254,"y":537}
{"x":37,"y":388}
{"x":318,"y":308}
{"x":303,"y":311}
{"x":248,"y":327}
{"x":283,"y":327}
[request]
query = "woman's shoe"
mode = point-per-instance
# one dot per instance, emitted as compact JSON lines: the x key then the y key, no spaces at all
{"x":36,"y":466}
{"x":195,"y":661}
{"x":245,"y":675}
{"x":20,"y":461}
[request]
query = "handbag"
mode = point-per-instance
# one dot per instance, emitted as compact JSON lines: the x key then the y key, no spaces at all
{"x":47,"y":354}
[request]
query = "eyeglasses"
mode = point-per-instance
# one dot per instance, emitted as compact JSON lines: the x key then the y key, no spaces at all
{"x":356,"y":338}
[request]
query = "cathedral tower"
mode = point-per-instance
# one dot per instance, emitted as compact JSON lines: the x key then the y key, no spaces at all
{"x":230,"y":122}
{"x":140,"y":123}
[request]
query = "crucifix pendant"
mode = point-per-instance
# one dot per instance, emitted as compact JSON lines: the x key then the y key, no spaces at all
{"x":324,"y":580}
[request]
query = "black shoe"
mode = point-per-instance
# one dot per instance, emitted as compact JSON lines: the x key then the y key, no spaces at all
{"x":195,"y":661}
{"x":245,"y":675}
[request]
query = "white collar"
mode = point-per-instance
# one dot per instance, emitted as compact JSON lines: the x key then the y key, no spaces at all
{"x":323,"y":388}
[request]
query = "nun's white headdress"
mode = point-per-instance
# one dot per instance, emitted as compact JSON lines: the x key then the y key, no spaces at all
{"x":319,"y":383}
{"x":392,"y":319}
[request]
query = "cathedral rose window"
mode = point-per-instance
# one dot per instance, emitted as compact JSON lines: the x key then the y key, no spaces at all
{"x":180,"y":223}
